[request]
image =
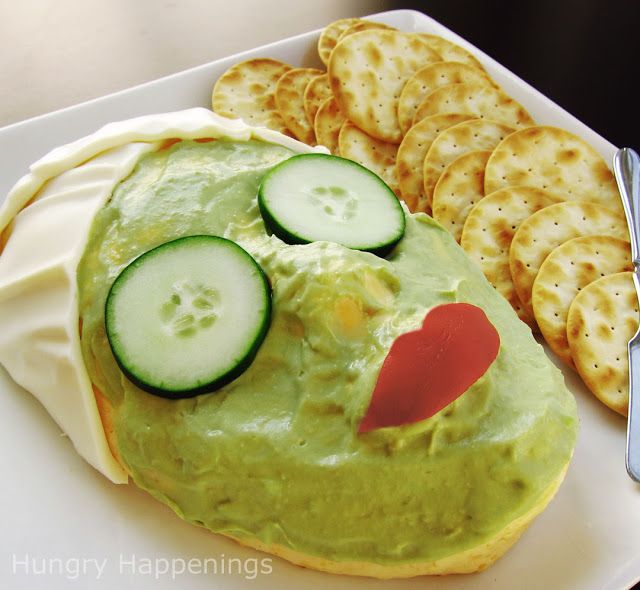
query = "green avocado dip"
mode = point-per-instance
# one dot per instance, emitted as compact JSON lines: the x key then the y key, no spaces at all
{"x":275,"y":454}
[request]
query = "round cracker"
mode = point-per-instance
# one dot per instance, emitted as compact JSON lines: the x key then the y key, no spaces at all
{"x":469,"y":136}
{"x":363,"y":25}
{"x":315,"y":93}
{"x":330,"y":35}
{"x":552,"y":159}
{"x":247,"y":91}
{"x":489,"y":229}
{"x":450,"y":51}
{"x":290,"y":102}
{"x":374,"y":154}
{"x":367,"y":71}
{"x":602,"y":319}
{"x":411,"y":155}
{"x":327,"y":124}
{"x":566,"y":271}
{"x":459,"y":188}
{"x":427,"y":79}
{"x":538,"y":235}
{"x":479,"y":100}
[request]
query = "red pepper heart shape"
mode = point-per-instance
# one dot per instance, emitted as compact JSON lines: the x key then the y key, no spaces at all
{"x":428,"y":369}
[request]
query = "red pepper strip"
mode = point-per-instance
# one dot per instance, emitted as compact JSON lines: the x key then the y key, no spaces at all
{"x":428,"y":369}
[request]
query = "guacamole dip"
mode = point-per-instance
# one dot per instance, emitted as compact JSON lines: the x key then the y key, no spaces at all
{"x":275,"y":454}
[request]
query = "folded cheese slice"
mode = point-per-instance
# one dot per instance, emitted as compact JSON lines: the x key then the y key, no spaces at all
{"x":44,"y":224}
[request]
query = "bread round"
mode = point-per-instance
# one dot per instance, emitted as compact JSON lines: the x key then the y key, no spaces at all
{"x":472,"y":560}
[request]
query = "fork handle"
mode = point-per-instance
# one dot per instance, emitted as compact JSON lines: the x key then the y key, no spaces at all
{"x":626,"y":165}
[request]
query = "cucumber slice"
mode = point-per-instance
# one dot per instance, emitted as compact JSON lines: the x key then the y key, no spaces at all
{"x":188,"y":316}
{"x":313,"y":197}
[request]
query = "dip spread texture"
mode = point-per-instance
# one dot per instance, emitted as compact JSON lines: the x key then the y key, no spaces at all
{"x":276,"y":454}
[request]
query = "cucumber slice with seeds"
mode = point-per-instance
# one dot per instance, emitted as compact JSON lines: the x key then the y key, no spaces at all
{"x":188,"y":316}
{"x":313,"y":197}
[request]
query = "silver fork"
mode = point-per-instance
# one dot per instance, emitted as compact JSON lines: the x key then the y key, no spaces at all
{"x":626,"y":165}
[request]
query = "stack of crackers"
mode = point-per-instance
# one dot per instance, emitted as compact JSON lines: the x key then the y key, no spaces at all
{"x":536,"y":207}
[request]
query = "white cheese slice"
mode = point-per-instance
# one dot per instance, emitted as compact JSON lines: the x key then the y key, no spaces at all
{"x":50,"y":211}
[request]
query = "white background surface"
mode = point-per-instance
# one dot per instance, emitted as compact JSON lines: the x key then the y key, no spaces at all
{"x":54,"y":506}
{"x":56,"y":53}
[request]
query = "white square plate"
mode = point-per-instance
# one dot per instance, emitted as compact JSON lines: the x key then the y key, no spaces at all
{"x":61,"y":521}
